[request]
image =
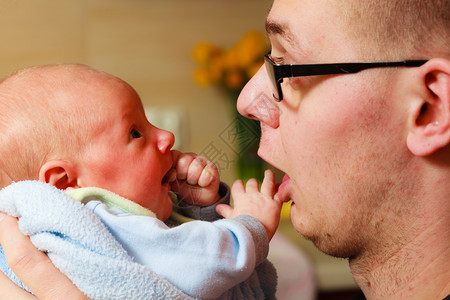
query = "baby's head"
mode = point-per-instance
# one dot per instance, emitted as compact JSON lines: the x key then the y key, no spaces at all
{"x":73,"y":126}
{"x":36,"y":119}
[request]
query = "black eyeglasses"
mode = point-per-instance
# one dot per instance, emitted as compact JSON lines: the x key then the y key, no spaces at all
{"x":279,"y":71}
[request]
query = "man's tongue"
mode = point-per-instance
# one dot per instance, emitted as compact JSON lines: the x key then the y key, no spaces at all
{"x":283,"y":192}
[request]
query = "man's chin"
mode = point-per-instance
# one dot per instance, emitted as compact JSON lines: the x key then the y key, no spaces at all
{"x":337,"y":251}
{"x":326,"y":243}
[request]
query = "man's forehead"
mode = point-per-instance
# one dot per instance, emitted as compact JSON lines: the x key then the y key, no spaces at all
{"x":303,"y":29}
{"x":282,"y":21}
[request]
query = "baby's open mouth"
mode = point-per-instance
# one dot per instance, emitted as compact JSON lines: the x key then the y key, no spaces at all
{"x":170,"y":176}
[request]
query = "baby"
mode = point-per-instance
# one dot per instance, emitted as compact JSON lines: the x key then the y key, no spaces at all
{"x":85,"y":132}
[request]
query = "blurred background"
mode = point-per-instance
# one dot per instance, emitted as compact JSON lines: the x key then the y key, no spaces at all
{"x":169,"y":52}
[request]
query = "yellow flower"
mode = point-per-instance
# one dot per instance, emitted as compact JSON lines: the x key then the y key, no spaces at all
{"x":234,"y":80}
{"x":204,"y":52}
{"x":201,"y":76}
{"x":231,"y":59}
{"x":251,"y":48}
{"x":251,"y":71}
{"x":231,"y":67}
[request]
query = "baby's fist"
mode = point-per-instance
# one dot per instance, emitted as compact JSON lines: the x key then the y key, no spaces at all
{"x":196,"y":179}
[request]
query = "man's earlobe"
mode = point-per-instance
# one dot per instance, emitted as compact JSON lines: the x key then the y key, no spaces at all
{"x":430,"y":130}
{"x":58,"y":173}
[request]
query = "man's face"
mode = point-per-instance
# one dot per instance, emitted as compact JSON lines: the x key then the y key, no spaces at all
{"x":332,"y":135}
{"x":127,"y":155}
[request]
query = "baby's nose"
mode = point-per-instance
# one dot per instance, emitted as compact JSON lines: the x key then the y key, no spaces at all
{"x":166,"y":139}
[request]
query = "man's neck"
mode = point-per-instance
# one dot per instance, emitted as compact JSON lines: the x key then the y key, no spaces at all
{"x":419,"y":269}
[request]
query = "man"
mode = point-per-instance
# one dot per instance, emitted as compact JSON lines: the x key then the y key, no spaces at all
{"x":367,"y":154}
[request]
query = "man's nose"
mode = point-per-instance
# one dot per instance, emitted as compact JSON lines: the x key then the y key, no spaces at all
{"x":255,"y":100}
{"x":166,"y":139}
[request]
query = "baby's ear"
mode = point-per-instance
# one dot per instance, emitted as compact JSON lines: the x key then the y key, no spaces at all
{"x":430,"y":130}
{"x":59,"y":173}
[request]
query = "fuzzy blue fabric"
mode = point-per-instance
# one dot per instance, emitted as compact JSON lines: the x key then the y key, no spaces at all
{"x":79,"y":245}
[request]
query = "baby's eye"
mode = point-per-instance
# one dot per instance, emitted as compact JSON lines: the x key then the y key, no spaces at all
{"x":134,"y":134}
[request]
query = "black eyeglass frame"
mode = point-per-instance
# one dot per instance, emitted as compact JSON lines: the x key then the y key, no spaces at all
{"x":277,"y":72}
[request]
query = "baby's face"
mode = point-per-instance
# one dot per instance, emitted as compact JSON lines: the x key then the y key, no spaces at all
{"x":127,"y":154}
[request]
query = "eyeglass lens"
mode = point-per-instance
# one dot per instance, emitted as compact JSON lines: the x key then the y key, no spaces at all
{"x":277,"y":92}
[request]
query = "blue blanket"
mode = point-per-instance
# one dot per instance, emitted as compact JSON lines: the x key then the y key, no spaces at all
{"x":79,"y":245}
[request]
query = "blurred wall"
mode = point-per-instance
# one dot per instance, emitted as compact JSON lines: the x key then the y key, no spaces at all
{"x":147,"y":43}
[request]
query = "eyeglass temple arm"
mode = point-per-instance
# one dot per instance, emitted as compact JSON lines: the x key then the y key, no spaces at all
{"x":285,"y":71}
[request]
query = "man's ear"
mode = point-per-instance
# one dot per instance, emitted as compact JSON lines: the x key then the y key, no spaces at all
{"x":430,"y":128}
{"x":59,"y":173}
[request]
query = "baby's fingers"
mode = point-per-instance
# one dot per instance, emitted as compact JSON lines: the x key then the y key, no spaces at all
{"x":208,"y":175}
{"x":182,"y":165}
{"x":195,"y":170}
{"x":268,"y":184}
{"x":237,"y":188}
{"x":252,"y":185}
{"x":225,"y":210}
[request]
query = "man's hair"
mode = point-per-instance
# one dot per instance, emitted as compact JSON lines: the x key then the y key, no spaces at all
{"x":399,"y":29}
{"x":33,"y":125}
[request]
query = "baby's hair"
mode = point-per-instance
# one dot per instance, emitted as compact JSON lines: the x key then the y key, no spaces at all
{"x":34,"y":121}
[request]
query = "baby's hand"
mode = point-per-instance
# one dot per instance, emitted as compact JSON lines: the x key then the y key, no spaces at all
{"x":258,"y":204}
{"x":194,"y":178}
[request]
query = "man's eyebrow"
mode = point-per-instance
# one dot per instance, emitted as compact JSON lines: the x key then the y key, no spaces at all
{"x":273,"y":28}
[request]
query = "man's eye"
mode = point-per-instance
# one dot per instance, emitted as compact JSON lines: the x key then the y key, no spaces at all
{"x":134,"y":134}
